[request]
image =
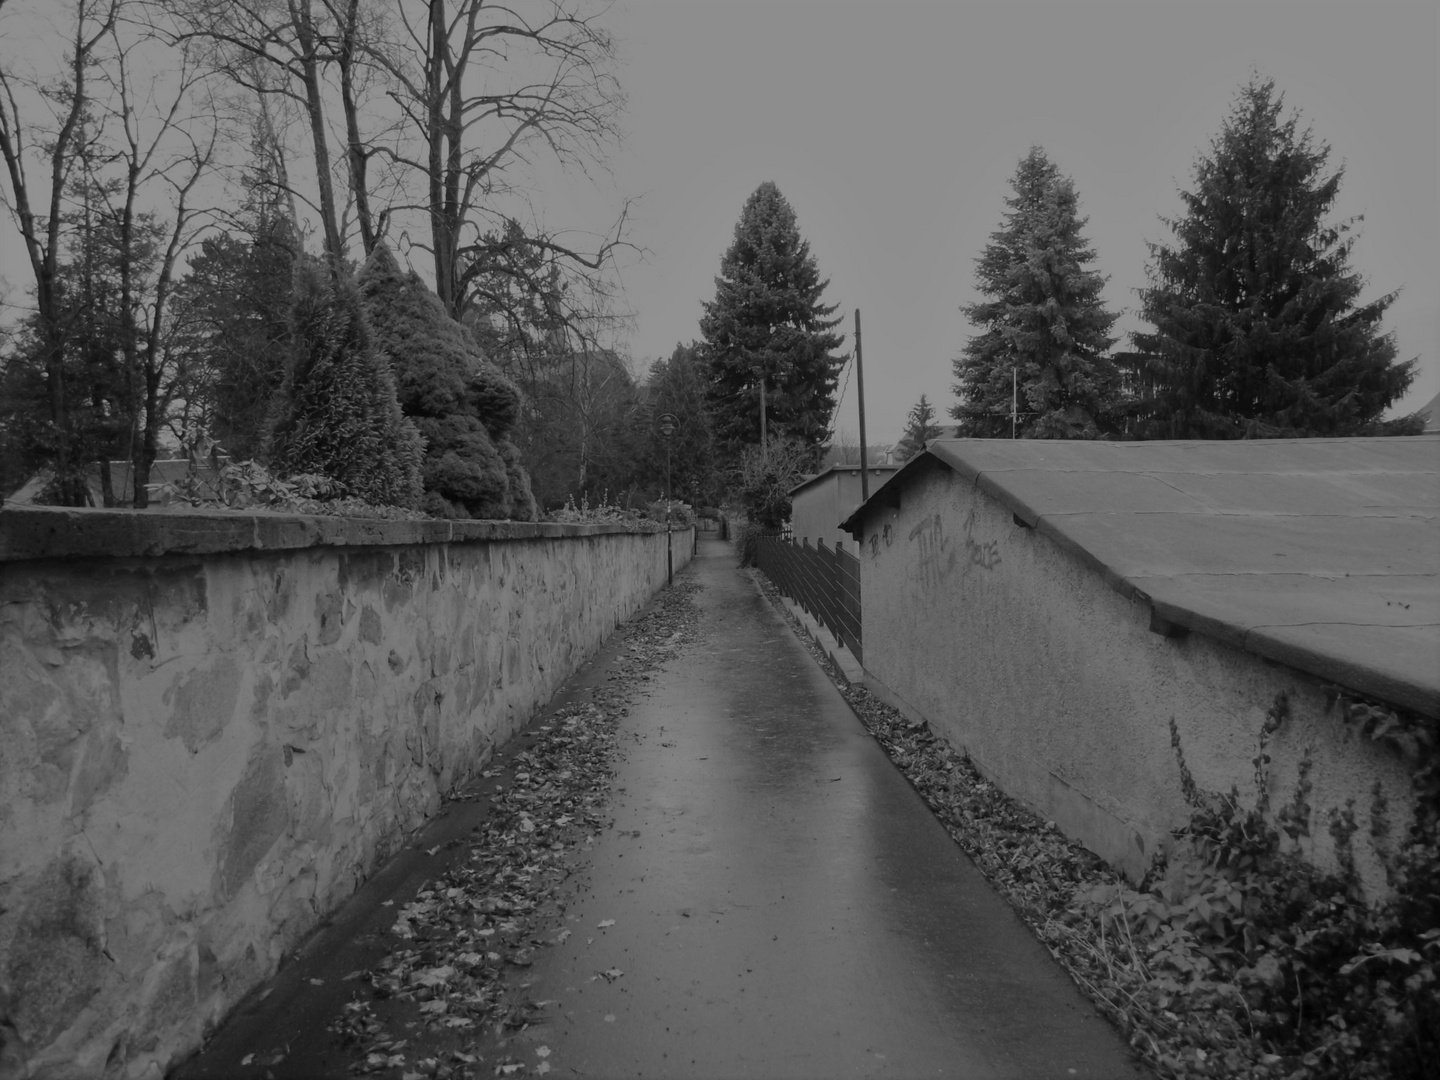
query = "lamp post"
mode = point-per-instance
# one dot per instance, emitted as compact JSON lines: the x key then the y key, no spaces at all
{"x":668,"y":424}
{"x":694,"y":516}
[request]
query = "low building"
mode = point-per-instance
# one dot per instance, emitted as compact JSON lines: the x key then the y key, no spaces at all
{"x":1431,"y":413}
{"x":163,"y":472}
{"x":1110,"y":629}
{"x":819,"y":503}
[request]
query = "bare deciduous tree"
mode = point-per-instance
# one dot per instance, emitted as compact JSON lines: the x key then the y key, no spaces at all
{"x":132,"y":149}
{"x":47,"y":143}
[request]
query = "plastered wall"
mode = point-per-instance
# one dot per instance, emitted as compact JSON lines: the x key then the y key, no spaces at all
{"x":202,"y":753}
{"x":1058,"y":690}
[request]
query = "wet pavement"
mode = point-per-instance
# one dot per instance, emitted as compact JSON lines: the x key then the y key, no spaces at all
{"x":784,"y":904}
{"x":774,"y":900}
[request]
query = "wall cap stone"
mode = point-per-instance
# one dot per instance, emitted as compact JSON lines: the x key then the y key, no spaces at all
{"x":56,"y":532}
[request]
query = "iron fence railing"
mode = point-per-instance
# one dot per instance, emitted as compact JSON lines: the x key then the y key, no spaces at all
{"x":824,"y":581}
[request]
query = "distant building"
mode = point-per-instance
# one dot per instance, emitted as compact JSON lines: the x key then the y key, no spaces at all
{"x":1432,"y":416}
{"x":849,"y":455}
{"x":122,"y":480}
{"x":819,"y":504}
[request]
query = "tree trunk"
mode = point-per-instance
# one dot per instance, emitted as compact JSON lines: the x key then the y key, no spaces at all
{"x":315,"y":113}
{"x":356,"y":157}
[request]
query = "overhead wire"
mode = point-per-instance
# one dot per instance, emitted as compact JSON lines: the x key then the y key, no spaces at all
{"x":840,"y":400}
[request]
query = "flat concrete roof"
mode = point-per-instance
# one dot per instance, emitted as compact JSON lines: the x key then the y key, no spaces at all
{"x":1323,"y":554}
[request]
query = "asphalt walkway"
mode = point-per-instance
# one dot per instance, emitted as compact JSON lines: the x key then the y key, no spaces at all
{"x":783,"y":903}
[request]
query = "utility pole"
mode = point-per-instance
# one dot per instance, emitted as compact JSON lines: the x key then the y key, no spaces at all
{"x":860,"y":393}
{"x":1014,"y":398}
{"x":764,"y":450}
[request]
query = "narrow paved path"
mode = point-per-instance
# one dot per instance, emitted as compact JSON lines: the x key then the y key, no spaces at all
{"x":783,"y":903}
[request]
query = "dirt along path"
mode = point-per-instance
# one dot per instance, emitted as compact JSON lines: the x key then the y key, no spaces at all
{"x":759,"y":893}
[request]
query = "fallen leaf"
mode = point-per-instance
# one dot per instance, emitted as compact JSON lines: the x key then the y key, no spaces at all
{"x":611,"y":974}
{"x":603,"y":923}
{"x":433,"y":977}
{"x":247,"y":1059}
{"x":317,"y":982}
{"x":542,"y":1068}
{"x":542,"y":1051}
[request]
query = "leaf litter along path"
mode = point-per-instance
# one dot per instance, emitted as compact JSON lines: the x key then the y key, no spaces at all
{"x":427,"y":960}
{"x":770,"y":898}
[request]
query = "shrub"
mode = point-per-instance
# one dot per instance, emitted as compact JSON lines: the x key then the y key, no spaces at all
{"x":460,"y":402}
{"x":747,"y":542}
{"x":336,"y":413}
{"x":602,"y":512}
{"x":764,"y":477}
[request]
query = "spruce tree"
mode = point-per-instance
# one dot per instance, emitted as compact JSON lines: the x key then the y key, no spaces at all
{"x":1258,"y":327}
{"x":767,"y":324}
{"x":336,"y":413}
{"x":920,"y":428}
{"x":1044,"y":329}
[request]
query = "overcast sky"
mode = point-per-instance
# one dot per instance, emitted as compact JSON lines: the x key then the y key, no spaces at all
{"x":894,"y":129}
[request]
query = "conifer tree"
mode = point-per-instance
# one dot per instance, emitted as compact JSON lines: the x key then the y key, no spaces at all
{"x":1044,"y":329}
{"x":677,"y":386}
{"x":462,"y":405}
{"x":920,"y":428}
{"x":1258,"y":329}
{"x":232,"y":319}
{"x":767,"y":325}
{"x":336,"y":413}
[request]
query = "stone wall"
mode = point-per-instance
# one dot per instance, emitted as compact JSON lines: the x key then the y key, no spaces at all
{"x":213,"y":727}
{"x":1053,"y":682}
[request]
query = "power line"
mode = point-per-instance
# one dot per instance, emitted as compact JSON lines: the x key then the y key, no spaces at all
{"x":835,"y":416}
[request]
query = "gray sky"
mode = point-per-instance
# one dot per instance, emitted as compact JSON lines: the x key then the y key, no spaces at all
{"x":894,"y":130}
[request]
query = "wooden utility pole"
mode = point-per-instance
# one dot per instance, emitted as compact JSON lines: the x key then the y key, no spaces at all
{"x":860,"y":393}
{"x":764,"y":450}
{"x":1014,"y":399}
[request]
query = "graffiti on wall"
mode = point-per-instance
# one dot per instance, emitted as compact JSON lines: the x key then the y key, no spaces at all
{"x":984,"y":554}
{"x":887,"y":535}
{"x":935,"y":558}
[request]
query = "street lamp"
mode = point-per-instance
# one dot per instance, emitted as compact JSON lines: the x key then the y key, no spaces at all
{"x":668,"y":424}
{"x":694,"y":516}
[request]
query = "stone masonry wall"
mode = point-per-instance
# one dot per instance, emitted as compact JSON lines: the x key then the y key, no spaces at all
{"x":214,"y":727}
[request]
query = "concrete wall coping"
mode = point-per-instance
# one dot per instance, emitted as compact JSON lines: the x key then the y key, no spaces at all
{"x":51,"y":532}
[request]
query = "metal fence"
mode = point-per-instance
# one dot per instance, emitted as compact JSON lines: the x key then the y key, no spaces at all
{"x":824,"y":581}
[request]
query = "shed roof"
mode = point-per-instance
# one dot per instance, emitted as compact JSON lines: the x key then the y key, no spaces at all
{"x":1323,"y":554}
